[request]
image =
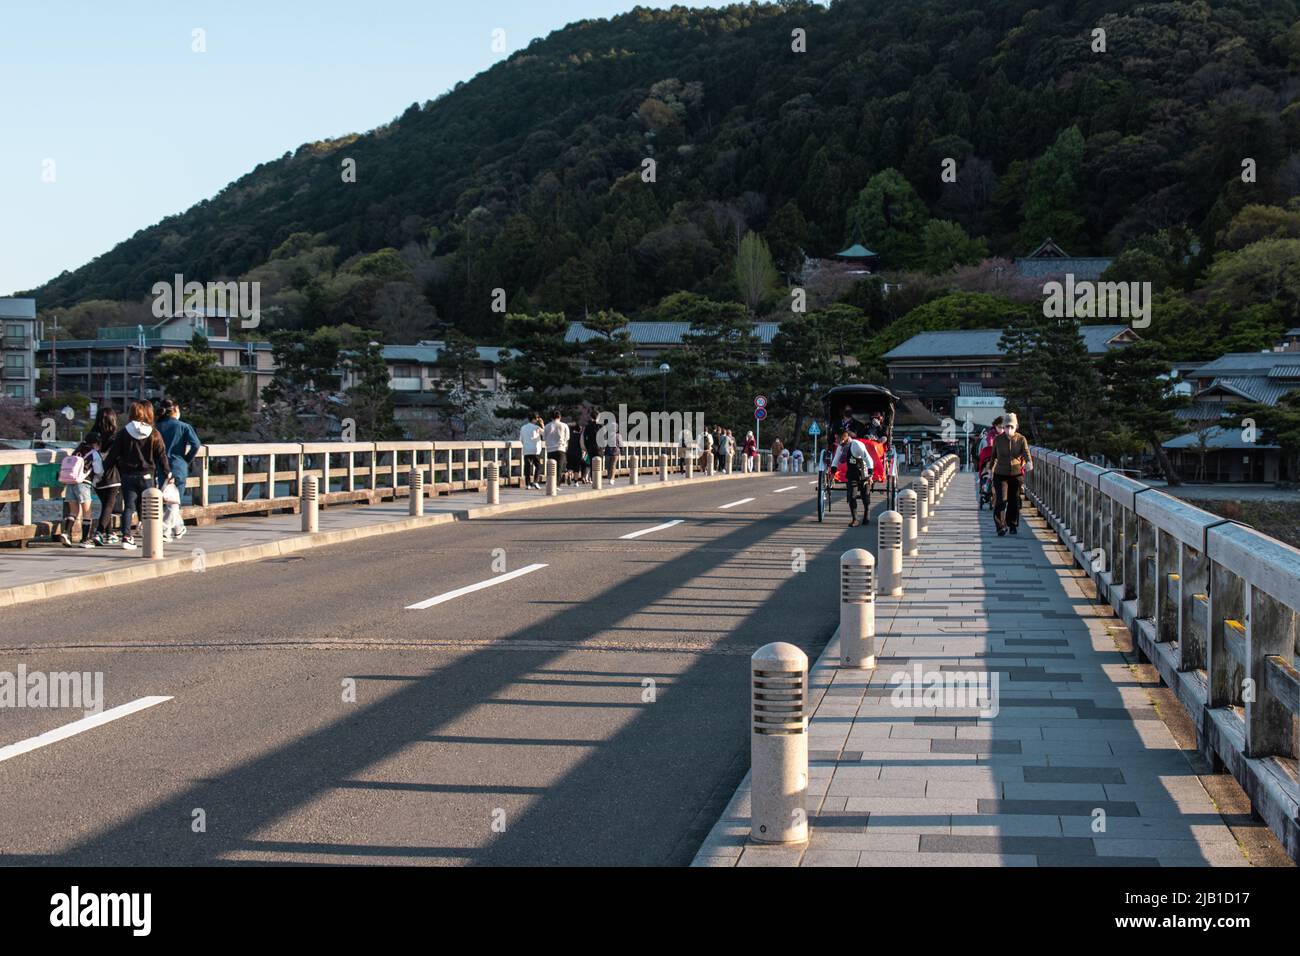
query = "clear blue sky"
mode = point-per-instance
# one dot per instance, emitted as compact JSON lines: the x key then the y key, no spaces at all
{"x":140,"y":127}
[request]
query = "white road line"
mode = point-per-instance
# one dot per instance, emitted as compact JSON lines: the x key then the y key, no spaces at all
{"x":732,"y":504}
{"x":658,"y":527}
{"x":77,"y":727}
{"x":470,"y":588}
{"x":786,"y":488}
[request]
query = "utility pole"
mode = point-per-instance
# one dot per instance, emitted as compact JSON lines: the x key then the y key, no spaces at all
{"x":54,"y":358}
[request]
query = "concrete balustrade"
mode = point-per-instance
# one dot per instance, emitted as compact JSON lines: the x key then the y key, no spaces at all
{"x":1212,"y":604}
{"x":265,"y":478}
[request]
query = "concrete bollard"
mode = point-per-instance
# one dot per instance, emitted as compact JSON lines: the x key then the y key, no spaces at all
{"x":932,"y":483}
{"x":690,"y":467}
{"x":708,"y":464}
{"x":598,"y":473}
{"x":310,"y":505}
{"x":857,"y":609}
{"x":923,"y":507}
{"x":151,"y":525}
{"x":727,"y":464}
{"x":552,"y":478}
{"x":415,"y":492}
{"x":889,"y":553}
{"x":779,"y":744}
{"x":494,"y":483}
{"x":907,"y":508}
{"x":663,"y":467}
{"x":634,"y":469}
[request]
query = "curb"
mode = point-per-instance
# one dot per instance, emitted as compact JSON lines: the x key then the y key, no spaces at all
{"x":150,"y":570}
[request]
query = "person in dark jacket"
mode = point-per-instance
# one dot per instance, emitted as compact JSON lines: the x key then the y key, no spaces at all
{"x":109,"y":486}
{"x":138,"y":453}
{"x":182,"y":444}
{"x":590,"y":446}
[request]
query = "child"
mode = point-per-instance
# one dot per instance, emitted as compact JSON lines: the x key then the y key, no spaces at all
{"x":78,"y":473}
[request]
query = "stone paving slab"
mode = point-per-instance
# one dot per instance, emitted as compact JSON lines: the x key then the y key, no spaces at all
{"x":1067,"y":764}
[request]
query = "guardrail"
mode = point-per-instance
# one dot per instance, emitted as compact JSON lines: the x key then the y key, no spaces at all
{"x":1213,"y":604}
{"x":243,"y":479}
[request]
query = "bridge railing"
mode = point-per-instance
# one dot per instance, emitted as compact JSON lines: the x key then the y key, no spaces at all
{"x":261,"y":478}
{"x":1212,"y":603}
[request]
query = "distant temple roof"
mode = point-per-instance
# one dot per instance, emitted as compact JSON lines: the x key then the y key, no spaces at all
{"x":662,"y":333}
{"x":856,"y":251}
{"x":1049,"y":259}
{"x":985,"y":343}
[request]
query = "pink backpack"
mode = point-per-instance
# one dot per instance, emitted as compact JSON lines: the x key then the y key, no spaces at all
{"x":73,"y":470}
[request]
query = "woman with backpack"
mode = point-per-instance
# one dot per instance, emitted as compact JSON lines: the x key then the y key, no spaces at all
{"x":78,"y":473}
{"x":138,"y":453}
{"x":109,"y":485}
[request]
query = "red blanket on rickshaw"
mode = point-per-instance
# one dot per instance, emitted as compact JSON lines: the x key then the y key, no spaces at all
{"x":877,"y":450}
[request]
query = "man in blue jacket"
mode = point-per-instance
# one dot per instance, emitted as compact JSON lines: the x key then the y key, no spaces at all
{"x":182,"y":443}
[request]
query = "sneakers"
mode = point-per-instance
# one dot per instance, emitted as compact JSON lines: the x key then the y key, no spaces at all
{"x":114,"y":538}
{"x":89,"y":544}
{"x":1015,"y":529}
{"x":128,"y":543}
{"x":168,"y":535}
{"x":66,"y":541}
{"x":181,"y":531}
{"x":1002,"y":532}
{"x":853,"y":522}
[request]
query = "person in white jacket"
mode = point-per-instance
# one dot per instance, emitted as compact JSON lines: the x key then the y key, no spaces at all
{"x":858,"y":474}
{"x":556,"y":435}
{"x":530,"y":436}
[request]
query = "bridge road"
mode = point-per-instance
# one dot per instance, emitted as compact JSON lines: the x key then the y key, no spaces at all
{"x":518,"y":704}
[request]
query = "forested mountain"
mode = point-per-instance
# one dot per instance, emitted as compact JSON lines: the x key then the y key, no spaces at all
{"x":529,"y":177}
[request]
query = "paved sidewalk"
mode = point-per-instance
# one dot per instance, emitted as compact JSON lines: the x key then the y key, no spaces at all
{"x":46,"y":569}
{"x":1071,"y":766}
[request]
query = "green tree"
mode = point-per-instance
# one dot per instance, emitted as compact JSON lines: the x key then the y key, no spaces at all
{"x":1052,"y":383}
{"x":1054,"y":193}
{"x":945,"y":245}
{"x":755,"y":273}
{"x":208,"y":393}
{"x":370,"y":398}
{"x":1280,"y":425}
{"x":888,"y":217}
{"x":1138,"y":400}
{"x":610,"y":358}
{"x":544,"y":372}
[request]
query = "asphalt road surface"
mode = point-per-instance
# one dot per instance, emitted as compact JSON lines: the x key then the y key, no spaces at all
{"x":590,"y":710}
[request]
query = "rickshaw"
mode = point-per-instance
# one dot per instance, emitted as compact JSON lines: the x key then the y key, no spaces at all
{"x":863,"y":401}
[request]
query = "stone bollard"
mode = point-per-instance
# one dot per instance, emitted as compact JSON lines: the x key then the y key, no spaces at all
{"x":932,"y":483}
{"x":907,"y":508}
{"x":779,"y":744}
{"x":663,"y":467}
{"x":727,"y":464}
{"x":890,"y":553}
{"x":857,"y":609}
{"x":598,"y":473}
{"x":690,"y":466}
{"x":493,"y":483}
{"x":634,"y":469}
{"x":552,"y":478}
{"x":923,"y":506}
{"x":415,"y":492}
{"x":708,"y":464}
{"x":151,"y":525}
{"x":310,"y":505}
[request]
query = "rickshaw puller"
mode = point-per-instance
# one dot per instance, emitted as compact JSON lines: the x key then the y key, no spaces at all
{"x":857,"y":474}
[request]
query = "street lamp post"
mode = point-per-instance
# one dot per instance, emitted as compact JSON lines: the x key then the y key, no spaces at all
{"x":664,"y":369}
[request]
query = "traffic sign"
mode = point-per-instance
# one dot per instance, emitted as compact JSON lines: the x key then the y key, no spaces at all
{"x":760,"y":413}
{"x":814,"y":429}
{"x":760,"y":401}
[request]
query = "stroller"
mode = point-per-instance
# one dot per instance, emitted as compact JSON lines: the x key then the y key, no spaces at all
{"x":986,"y":488}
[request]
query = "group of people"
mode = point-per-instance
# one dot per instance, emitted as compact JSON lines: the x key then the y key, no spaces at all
{"x":573,"y":448}
{"x":1004,"y":460}
{"x":719,"y":444}
{"x":118,"y":464}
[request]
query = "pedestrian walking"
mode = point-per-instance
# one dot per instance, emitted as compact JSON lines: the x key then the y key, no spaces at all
{"x":556,"y":436}
{"x":590,"y":446}
{"x":573,"y":457}
{"x":139,"y":455}
{"x":109,"y":486}
{"x":78,"y":473}
{"x":1011,"y":459}
{"x":182,"y":444}
{"x":613,"y":445}
{"x":857,"y":474}
{"x":531,"y":437}
{"x":796,"y":460}
{"x":708,"y":449}
{"x":750,"y":453}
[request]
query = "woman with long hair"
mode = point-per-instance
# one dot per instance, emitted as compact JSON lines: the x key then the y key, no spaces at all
{"x":109,"y":485}
{"x":139,"y":454}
